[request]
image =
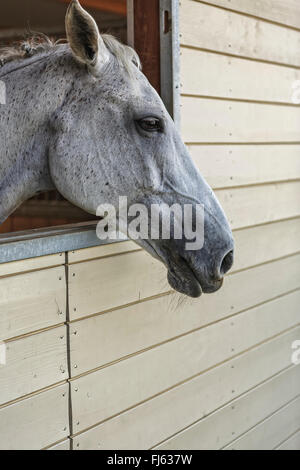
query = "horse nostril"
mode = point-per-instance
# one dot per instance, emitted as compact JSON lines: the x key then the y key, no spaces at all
{"x":226,"y":263}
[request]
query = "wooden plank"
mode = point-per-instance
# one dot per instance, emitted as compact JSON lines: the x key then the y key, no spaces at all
{"x":240,"y":79}
{"x":209,"y":120}
{"x":35,"y":422}
{"x":286,"y":12}
{"x":170,"y":412}
{"x":243,"y":206}
{"x":32,"y":264}
{"x":239,"y":165}
{"x":32,"y":363}
{"x":102,"y":251}
{"x":219,"y":30}
{"x":106,"y":338}
{"x":146,"y":24}
{"x":272,"y":431}
{"x":116,"y":288}
{"x":102,"y":339}
{"x":111,"y":390}
{"x":236,"y":418}
{"x":64,"y":445}
{"x":293,"y":443}
{"x":265,"y":243}
{"x":32,"y":301}
{"x":106,"y":283}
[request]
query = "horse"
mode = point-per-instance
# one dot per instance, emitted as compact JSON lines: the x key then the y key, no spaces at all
{"x":81,"y":117}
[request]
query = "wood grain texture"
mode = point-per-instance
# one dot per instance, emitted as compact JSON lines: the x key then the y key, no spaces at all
{"x":218,"y":429}
{"x":271,"y":432}
{"x":32,"y":363}
{"x":240,"y":165}
{"x":32,"y":264}
{"x":206,"y":27}
{"x":64,"y":445}
{"x":102,"y":339}
{"x":206,"y":120}
{"x":208,"y":74}
{"x":265,"y":243}
{"x":102,"y":251}
{"x":106,"y":392}
{"x":260,"y":204}
{"x":35,"y":422}
{"x":286,"y":12}
{"x":105,"y":338}
{"x":189,"y":401}
{"x":32,"y":301}
{"x":106,"y":283}
{"x":292,"y":443}
{"x":147,"y":38}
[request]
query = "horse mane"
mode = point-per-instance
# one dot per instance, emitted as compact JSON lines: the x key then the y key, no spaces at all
{"x":39,"y":43}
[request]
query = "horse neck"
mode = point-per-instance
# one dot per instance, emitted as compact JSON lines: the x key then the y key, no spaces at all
{"x":34,"y":91}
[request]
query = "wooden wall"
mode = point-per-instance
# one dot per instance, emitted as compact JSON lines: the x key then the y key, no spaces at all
{"x":123,"y":364}
{"x":239,"y":63}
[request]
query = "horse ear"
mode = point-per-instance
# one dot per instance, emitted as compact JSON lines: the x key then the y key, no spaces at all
{"x":84,"y":37}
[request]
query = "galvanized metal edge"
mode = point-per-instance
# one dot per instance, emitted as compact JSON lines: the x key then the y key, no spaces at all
{"x":33,"y":244}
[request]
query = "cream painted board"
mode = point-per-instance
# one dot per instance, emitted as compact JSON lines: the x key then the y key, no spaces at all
{"x":208,"y":74}
{"x":272,"y":431}
{"x":268,"y":279}
{"x":234,"y":419}
{"x":105,"y":338}
{"x":170,"y":412}
{"x":108,"y":337}
{"x":215,"y":29}
{"x":32,"y":264}
{"x":32,"y":363}
{"x":221,"y":121}
{"x":35,"y":422}
{"x":240,"y":165}
{"x":255,"y":205}
{"x":32,"y":301}
{"x":64,"y":445}
{"x":265,"y":243}
{"x":293,"y":443}
{"x":286,"y":12}
{"x":107,"y":283}
{"x":108,"y":391}
{"x":101,"y":251}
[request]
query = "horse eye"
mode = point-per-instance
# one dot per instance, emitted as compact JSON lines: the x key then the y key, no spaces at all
{"x":150,"y":124}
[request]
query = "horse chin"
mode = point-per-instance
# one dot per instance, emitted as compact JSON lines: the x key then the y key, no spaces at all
{"x":183,"y":279}
{"x":185,"y":285}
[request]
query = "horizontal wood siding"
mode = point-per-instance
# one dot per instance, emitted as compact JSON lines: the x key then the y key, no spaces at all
{"x":36,"y":421}
{"x":34,"y":394}
{"x":241,"y":121}
{"x":206,"y":27}
{"x":190,"y":401}
{"x":240,"y":79}
{"x":32,"y":301}
{"x":272,"y":431}
{"x":219,"y":429}
{"x":285,"y":12}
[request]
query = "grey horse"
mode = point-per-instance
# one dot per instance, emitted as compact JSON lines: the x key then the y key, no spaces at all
{"x":83,"y":119}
